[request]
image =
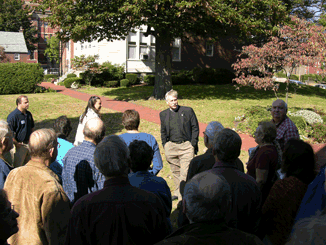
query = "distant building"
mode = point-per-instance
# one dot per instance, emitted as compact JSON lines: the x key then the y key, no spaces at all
{"x":15,"y":47}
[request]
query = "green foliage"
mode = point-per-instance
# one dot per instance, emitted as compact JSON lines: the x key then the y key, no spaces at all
{"x":309,"y":116}
{"x":69,"y":81}
{"x":111,"y":84}
{"x":300,"y":122}
{"x":19,"y":78}
{"x":40,"y":89}
{"x":52,"y":49}
{"x":311,"y":77}
{"x":14,"y":14}
{"x":71,"y":75}
{"x":89,"y":65}
{"x":294,"y":77}
{"x":149,"y":79}
{"x":47,"y":76}
{"x":133,"y":78}
{"x":3,"y":57}
{"x":182,"y":77}
{"x":318,"y":132}
{"x":124,"y":83}
{"x":112,"y":72}
{"x":280,"y":74}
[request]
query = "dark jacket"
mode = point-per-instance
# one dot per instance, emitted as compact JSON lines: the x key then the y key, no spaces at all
{"x":210,"y":233}
{"x":190,"y":127}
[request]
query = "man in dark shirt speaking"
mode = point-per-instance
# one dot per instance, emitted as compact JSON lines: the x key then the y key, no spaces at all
{"x":21,"y":124}
{"x":179,"y":132}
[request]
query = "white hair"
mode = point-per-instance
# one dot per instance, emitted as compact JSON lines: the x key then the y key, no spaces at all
{"x":172,"y":93}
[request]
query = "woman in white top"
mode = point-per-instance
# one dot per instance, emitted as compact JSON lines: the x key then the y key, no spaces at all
{"x":92,"y":110}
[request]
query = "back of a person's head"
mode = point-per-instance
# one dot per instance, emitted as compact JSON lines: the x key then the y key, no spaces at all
{"x":309,"y":231}
{"x":4,"y":129}
{"x":268,"y":131}
{"x":41,"y":141}
{"x":62,"y":127}
{"x":207,"y":197}
{"x":141,"y":155}
{"x":299,"y":160}
{"x":130,"y":120}
{"x":111,"y":156}
{"x":227,"y":145}
{"x":94,"y":129}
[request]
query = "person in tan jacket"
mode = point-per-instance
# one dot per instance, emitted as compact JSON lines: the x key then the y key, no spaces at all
{"x":37,"y":196}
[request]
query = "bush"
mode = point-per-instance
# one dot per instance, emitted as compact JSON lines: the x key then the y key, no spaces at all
{"x":19,"y":78}
{"x":310,"y":116}
{"x":280,"y":74}
{"x":47,"y":76}
{"x":71,"y":75}
{"x":149,"y":79}
{"x":300,"y":122}
{"x":112,"y":72}
{"x":124,"y":83}
{"x":318,"y":132}
{"x":110,"y":84}
{"x":133,"y":78}
{"x":69,"y":81}
{"x":311,"y":77}
{"x":212,"y":76}
{"x":182,"y":77}
{"x":39,"y":89}
{"x":294,"y":77}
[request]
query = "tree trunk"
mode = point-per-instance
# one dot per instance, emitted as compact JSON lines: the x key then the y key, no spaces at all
{"x":163,"y":66}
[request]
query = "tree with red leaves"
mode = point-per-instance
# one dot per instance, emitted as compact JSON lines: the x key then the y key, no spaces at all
{"x":298,"y":43}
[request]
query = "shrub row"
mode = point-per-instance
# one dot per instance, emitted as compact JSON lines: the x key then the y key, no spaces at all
{"x":69,"y":81}
{"x":47,"y":76}
{"x":19,"y":78}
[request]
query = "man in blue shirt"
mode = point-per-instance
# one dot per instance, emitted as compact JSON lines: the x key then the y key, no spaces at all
{"x":80,"y":176}
{"x":141,"y":155}
{"x":131,"y":120}
{"x":21,"y":124}
{"x":6,"y":144}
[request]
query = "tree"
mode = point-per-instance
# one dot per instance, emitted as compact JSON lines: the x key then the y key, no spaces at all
{"x":81,"y":20}
{"x":3,"y":57}
{"x":298,"y":43}
{"x":52,"y":50}
{"x":13,"y":16}
{"x":88,"y":65}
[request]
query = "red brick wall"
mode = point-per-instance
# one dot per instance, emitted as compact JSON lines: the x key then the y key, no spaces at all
{"x":23,"y":58}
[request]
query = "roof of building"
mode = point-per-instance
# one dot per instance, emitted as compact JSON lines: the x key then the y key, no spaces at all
{"x":13,"y":42}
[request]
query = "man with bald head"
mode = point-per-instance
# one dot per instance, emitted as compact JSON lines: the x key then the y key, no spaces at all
{"x":37,"y":196}
{"x":286,"y":129}
{"x":80,"y":176}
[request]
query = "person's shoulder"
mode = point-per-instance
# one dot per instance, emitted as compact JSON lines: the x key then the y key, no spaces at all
{"x":13,"y":113}
{"x":164,"y":111}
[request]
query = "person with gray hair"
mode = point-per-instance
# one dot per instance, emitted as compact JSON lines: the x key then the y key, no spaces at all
{"x":246,"y":196}
{"x":120,"y":213}
{"x":207,"y":204}
{"x":204,"y":162}
{"x":6,"y":144}
{"x":285,"y":128}
{"x":179,"y":133}
{"x":37,"y":196}
{"x":80,"y":176}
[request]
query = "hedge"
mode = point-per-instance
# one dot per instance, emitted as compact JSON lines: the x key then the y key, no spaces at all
{"x":71,"y":75}
{"x":47,"y":76}
{"x":149,"y":79}
{"x":68,"y":81}
{"x":110,"y":84}
{"x":133,"y":78}
{"x":124,"y":83}
{"x":20,"y":78}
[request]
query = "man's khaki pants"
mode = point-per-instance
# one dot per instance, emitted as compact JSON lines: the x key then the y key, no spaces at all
{"x":179,"y":157}
{"x":18,"y":157}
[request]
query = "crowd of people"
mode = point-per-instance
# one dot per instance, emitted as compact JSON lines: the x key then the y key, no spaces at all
{"x":105,"y":190}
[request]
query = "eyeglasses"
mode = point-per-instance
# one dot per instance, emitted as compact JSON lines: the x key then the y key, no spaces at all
{"x":7,"y":212}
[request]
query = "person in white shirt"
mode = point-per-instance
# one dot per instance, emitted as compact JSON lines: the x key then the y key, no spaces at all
{"x":92,"y":111}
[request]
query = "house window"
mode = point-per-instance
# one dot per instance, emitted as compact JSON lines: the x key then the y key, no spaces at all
{"x":176,"y":50}
{"x":45,"y":25}
{"x":209,"y":49}
{"x":31,"y":55}
{"x":17,"y":56}
{"x":143,"y":50}
{"x":132,"y":45}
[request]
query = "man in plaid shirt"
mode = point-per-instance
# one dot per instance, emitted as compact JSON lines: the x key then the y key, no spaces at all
{"x":286,"y":129}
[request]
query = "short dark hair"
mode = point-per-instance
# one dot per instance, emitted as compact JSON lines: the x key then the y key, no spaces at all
{"x":19,"y":99}
{"x":111,"y":156}
{"x":62,"y":127}
{"x":3,"y":200}
{"x":130,"y":119}
{"x":227,"y":145}
{"x":299,"y":160}
{"x":141,"y":155}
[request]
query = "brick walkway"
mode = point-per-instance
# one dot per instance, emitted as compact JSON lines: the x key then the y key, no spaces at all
{"x":153,"y":116}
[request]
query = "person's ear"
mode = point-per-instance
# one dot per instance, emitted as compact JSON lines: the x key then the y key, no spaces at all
{"x":51,"y":150}
{"x":4,"y":141}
